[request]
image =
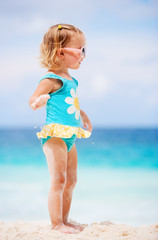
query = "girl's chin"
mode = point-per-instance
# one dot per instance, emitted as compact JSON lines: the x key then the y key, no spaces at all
{"x":75,"y":67}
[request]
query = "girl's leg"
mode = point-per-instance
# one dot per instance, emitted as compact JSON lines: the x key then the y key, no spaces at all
{"x":55,"y":151}
{"x":70,"y":184}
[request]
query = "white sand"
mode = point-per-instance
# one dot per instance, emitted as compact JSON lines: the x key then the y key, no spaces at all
{"x":96,"y":231}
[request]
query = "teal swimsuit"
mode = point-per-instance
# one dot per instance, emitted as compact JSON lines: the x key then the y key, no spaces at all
{"x":63,"y":114}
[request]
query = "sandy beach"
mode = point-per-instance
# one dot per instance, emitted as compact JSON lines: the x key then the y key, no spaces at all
{"x":96,"y":231}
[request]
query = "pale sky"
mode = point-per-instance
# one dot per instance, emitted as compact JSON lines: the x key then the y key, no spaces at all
{"x":118,"y":80}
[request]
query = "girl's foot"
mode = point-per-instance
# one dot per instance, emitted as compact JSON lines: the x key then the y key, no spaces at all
{"x":75,"y":226}
{"x":65,"y":229}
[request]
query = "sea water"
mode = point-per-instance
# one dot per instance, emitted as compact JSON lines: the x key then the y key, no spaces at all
{"x":117,"y":177}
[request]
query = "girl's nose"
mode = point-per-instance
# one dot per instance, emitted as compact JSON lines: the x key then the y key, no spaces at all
{"x":82,"y":58}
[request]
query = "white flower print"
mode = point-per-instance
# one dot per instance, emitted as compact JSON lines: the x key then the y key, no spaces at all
{"x":75,"y":104}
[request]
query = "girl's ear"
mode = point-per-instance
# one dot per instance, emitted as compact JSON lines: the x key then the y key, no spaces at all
{"x":60,"y":53}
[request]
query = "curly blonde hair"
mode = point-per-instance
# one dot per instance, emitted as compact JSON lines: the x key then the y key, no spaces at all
{"x":56,"y":37}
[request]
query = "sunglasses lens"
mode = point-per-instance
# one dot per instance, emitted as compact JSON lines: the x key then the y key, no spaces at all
{"x":83,"y":52}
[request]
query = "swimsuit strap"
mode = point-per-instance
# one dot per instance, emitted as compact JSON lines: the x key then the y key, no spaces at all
{"x":52,"y":75}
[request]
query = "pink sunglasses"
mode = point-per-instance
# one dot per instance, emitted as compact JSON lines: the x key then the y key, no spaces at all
{"x":81,"y":50}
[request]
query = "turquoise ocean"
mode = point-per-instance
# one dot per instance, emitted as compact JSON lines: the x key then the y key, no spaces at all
{"x":117,"y":177}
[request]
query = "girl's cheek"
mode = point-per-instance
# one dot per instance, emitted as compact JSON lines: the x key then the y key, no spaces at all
{"x":75,"y":58}
{"x":78,"y":55}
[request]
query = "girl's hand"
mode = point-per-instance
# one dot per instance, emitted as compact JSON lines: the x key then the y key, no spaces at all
{"x":40,"y":101}
{"x":86,"y":121}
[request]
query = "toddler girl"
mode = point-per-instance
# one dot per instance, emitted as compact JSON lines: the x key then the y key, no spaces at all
{"x":63,"y":47}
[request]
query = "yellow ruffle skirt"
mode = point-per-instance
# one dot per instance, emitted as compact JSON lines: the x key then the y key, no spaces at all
{"x":63,"y":131}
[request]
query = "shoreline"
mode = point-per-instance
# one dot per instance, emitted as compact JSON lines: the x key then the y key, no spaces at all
{"x":21,"y":230}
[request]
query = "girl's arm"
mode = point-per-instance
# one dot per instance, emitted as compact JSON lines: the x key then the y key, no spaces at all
{"x":40,"y":96}
{"x":86,"y":121}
